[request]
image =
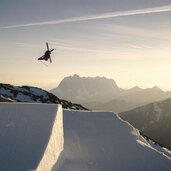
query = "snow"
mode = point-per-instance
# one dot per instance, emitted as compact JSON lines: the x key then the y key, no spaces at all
{"x":38,"y":92}
{"x":31,"y":136}
{"x":6,"y":92}
{"x":101,"y":141}
{"x":23,"y":98}
{"x":42,"y":137}
{"x":55,"y":144}
{"x":24,"y":93}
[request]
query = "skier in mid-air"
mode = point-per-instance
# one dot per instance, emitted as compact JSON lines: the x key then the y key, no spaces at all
{"x":46,"y":55}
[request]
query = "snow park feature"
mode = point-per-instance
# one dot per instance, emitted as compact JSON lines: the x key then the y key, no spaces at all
{"x":31,"y":136}
{"x":45,"y":137}
{"x":101,"y":141}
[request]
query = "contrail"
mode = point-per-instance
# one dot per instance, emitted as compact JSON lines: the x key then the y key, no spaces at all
{"x":97,"y":16}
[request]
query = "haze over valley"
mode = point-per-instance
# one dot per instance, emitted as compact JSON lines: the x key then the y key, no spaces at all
{"x":101,"y":93}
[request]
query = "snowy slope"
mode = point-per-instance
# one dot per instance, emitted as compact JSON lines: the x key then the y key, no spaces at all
{"x":31,"y":136}
{"x":43,"y":138}
{"x":9,"y":93}
{"x":101,"y":141}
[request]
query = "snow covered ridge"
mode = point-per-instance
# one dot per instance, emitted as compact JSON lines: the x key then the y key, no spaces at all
{"x":9,"y":93}
{"x":5,"y":99}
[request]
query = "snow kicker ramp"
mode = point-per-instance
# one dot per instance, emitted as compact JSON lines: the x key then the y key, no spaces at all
{"x":31,"y":136}
{"x":101,"y":141}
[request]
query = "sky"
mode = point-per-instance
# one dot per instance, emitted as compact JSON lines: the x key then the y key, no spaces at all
{"x":126,"y":40}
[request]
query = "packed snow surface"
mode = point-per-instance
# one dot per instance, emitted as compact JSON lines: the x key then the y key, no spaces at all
{"x":101,"y":141}
{"x":42,"y":137}
{"x":31,"y":136}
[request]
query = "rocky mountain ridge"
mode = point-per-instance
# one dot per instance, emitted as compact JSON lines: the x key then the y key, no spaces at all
{"x":153,"y":120}
{"x":81,"y":89}
{"x":101,"y":93}
{"x":9,"y":93}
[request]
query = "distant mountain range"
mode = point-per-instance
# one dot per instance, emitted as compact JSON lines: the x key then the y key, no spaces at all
{"x":86,"y":89}
{"x":101,"y":93}
{"x":153,"y":120}
{"x":9,"y":93}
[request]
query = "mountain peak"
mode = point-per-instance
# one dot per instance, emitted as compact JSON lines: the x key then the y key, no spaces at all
{"x":135,"y":88}
{"x":78,"y":89}
{"x":157,"y":88}
{"x":76,"y":76}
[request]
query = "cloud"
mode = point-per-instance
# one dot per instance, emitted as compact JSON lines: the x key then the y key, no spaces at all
{"x":97,"y":16}
{"x":70,"y":47}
